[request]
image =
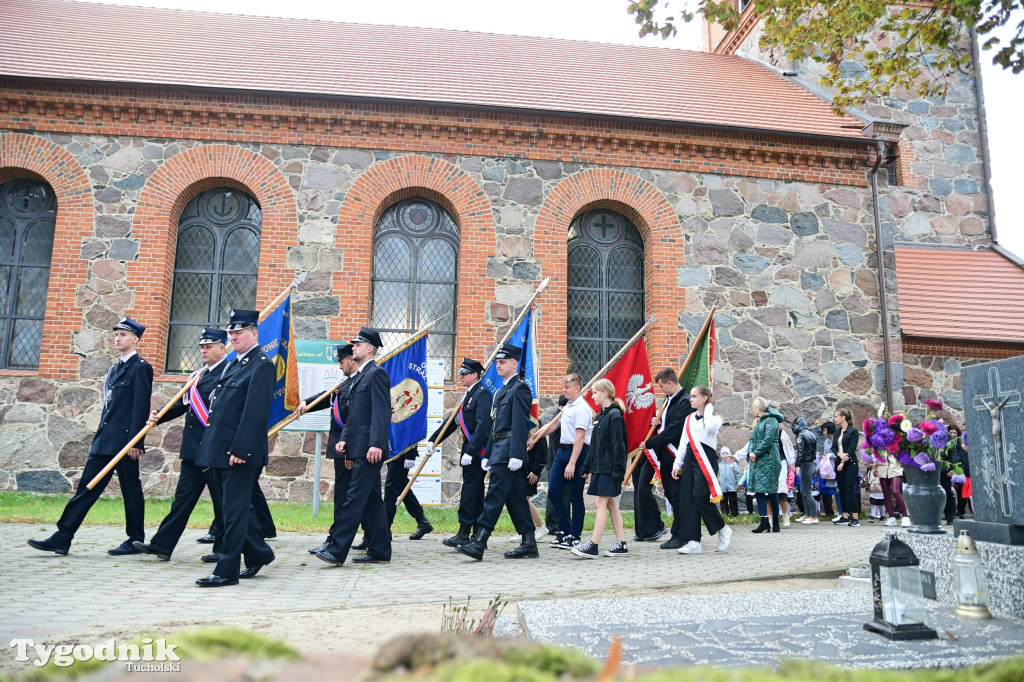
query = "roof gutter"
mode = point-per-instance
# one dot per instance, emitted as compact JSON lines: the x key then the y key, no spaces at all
{"x":979,"y":98}
{"x":880,"y":255}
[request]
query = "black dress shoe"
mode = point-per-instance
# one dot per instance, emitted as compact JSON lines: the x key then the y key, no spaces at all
{"x":48,"y":545}
{"x":253,"y":570}
{"x":657,"y":536}
{"x":206,"y":539}
{"x":370,"y":559}
{"x":423,"y":529}
{"x":124,"y":549}
{"x":330,"y":557}
{"x":326,"y":545}
{"x":363,"y":545}
{"x":672,"y":543}
{"x":150,"y":549}
{"x":210,"y":558}
{"x":216,"y":581}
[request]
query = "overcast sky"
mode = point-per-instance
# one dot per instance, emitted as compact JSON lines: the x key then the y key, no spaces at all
{"x":606,"y":21}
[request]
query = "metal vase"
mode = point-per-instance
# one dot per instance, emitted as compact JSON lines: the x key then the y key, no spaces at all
{"x":925,"y":500}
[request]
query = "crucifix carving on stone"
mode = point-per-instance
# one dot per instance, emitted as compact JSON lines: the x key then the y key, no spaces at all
{"x":999,"y":468}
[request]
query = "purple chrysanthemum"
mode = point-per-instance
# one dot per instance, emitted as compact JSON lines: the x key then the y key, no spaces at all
{"x":915,"y":435}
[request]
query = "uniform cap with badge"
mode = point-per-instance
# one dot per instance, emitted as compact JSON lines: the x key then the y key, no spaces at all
{"x":344,"y":351}
{"x":212,"y":335}
{"x":470,"y":366}
{"x":240,"y":319}
{"x":509,"y":352}
{"x":130,"y":325}
{"x":367,"y":335}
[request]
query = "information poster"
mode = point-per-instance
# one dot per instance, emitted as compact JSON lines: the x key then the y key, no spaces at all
{"x":318,"y":371}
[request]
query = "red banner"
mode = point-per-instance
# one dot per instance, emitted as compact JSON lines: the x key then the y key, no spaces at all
{"x":631,"y":376}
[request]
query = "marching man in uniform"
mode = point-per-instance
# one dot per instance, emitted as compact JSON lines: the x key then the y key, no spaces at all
{"x":126,"y":395}
{"x":664,"y":445}
{"x":506,"y":455}
{"x":474,"y":421}
{"x":235,"y":446}
{"x":195,"y":405}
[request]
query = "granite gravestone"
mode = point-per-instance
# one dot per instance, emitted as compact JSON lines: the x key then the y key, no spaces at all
{"x":994,"y":409}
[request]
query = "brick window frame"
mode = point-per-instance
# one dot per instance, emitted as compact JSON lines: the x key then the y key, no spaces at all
{"x":658,"y":223}
{"x":164,"y":196}
{"x":405,"y":177}
{"x":36,"y":157}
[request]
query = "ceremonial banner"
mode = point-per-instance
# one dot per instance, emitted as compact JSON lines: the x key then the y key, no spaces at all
{"x":631,"y":376}
{"x":275,"y":333}
{"x":408,"y":372}
{"x":699,"y":371}
{"x":523,"y":337}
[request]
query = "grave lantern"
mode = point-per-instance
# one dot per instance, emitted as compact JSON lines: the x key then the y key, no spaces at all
{"x":969,"y":584}
{"x":897,"y":592}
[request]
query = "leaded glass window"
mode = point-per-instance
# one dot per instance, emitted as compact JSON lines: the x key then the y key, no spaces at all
{"x":415,"y":275}
{"x":215,"y":269}
{"x":28,"y":215}
{"x":605,"y":288}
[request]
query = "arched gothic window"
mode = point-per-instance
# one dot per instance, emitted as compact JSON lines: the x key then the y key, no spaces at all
{"x":605,"y":288}
{"x":415,"y":275}
{"x":215,"y":269}
{"x":28,"y":214}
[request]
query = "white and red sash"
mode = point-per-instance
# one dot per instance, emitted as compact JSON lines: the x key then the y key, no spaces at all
{"x":195,"y":401}
{"x":336,"y":411}
{"x":465,"y":431}
{"x":702,"y":460}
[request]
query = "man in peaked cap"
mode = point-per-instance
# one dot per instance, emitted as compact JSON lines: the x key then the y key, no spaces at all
{"x":235,"y":446}
{"x":506,"y":454}
{"x":366,"y":414}
{"x":126,"y":396}
{"x":195,"y":405}
{"x":473,"y":420}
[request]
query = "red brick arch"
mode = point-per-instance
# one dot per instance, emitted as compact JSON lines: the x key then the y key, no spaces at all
{"x":27,"y":155}
{"x":438,"y":180}
{"x":164,"y":197}
{"x":650,"y":211}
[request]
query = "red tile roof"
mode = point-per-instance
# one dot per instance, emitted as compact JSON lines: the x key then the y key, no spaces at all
{"x":92,"y":42}
{"x":960,"y":294}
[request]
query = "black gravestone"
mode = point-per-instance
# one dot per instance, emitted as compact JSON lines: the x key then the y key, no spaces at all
{"x":994,"y":411}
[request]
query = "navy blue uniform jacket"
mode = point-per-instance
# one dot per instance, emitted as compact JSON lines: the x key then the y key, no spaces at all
{"x":367,"y":412}
{"x":192,"y":435}
{"x":335,"y":434}
{"x":239,"y":409}
{"x":128,"y":409}
{"x":511,"y":415}
{"x":476,"y":410}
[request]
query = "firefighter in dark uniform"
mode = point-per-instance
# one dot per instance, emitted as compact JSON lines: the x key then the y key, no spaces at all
{"x":126,"y":396}
{"x":195,"y":405}
{"x":473,"y":420}
{"x":364,"y":440}
{"x":506,"y":456}
{"x":342,"y":465}
{"x":235,"y":446}
{"x":664,"y":444}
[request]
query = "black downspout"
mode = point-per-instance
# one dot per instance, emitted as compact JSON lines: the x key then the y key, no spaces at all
{"x":880,"y":254}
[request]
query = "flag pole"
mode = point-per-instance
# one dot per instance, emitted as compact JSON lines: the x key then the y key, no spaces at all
{"x":416,"y":336}
{"x":515,"y":324}
{"x":188,"y":384}
{"x":544,"y":430}
{"x":635,"y":454}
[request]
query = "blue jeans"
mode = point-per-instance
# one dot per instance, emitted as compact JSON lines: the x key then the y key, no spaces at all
{"x":570,"y":519}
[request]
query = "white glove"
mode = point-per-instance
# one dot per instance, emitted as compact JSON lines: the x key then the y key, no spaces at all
{"x":410,"y":463}
{"x":466,"y":460}
{"x":515,"y":464}
{"x":485,"y":464}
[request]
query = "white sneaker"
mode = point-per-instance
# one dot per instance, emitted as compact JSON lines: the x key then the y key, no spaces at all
{"x":785,"y":521}
{"x":542,"y":533}
{"x":906,"y":521}
{"x":811,"y":520}
{"x":724,"y":538}
{"x":891,"y":521}
{"x":691,"y":547}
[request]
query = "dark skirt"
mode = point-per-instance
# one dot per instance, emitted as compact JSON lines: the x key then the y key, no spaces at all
{"x":604,"y":485}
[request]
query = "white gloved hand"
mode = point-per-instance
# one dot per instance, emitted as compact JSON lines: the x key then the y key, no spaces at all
{"x":485,"y":464}
{"x":410,"y":463}
{"x":466,"y":460}
{"x":515,"y":464}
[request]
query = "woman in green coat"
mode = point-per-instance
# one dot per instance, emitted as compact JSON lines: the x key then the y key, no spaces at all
{"x":763,"y":453}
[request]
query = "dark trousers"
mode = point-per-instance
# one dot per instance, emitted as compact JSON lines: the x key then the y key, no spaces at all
{"x":807,"y":471}
{"x":394,"y":484}
{"x":671,"y":485}
{"x":363,"y":503}
{"x":191,"y":481}
{"x":849,"y":488}
{"x":550,"y":518}
{"x":570,"y":519}
{"x":507,"y":489}
{"x":695,"y":503}
{"x":729,"y":503}
{"x":261,"y":511}
{"x":471,"y":498}
{"x":826,"y":501}
{"x":241,"y":533}
{"x":947,"y":486}
{"x":961,"y":501}
{"x":750,"y":502}
{"x":762,"y":503}
{"x":646,"y":512}
{"x":342,"y":479}
{"x":131,"y":493}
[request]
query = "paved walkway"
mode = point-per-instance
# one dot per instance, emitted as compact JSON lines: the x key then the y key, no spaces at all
{"x":45,"y":595}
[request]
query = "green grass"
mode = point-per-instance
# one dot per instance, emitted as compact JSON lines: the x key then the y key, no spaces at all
{"x":289,"y":516}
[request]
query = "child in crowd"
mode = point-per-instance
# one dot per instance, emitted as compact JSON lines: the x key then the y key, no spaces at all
{"x":875,"y":496}
{"x":728,"y":478}
{"x":744,"y":482}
